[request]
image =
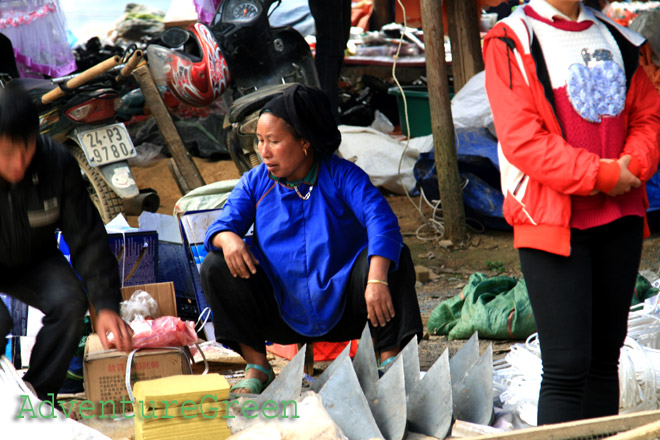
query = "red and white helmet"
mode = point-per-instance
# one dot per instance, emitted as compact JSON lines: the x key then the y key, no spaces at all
{"x":196,"y":75}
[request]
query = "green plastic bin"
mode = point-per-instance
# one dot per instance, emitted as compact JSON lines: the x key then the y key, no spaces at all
{"x":419,"y":113}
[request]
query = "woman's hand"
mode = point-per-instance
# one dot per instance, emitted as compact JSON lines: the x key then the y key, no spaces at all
{"x":379,"y":304}
{"x":627,"y":180}
{"x":377,"y":295}
{"x":239,"y":258}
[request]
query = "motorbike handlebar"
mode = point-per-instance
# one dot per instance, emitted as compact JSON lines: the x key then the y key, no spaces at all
{"x":130,"y":65}
{"x":81,"y":79}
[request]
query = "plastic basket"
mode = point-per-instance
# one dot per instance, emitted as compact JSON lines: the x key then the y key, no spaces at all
{"x":419,"y":113}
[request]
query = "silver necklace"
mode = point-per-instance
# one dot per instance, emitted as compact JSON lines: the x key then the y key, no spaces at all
{"x":306,"y":196}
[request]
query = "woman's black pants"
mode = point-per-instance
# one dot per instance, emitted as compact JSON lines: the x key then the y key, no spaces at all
{"x":245,"y":310}
{"x":581,"y":305}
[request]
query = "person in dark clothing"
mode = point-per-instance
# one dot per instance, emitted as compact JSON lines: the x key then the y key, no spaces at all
{"x":333,"y":28}
{"x":7,"y":60}
{"x":41,"y":190}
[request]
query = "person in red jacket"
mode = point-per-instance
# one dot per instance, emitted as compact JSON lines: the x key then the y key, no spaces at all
{"x":578,"y":124}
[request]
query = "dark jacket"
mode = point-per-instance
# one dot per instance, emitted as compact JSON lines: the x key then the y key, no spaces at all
{"x":52,"y":195}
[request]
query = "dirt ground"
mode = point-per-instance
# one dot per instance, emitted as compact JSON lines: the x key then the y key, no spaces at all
{"x":448,"y":267}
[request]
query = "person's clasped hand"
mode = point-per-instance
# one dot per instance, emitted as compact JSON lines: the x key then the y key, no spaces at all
{"x":627,"y":180}
{"x":240,"y":260}
{"x":109,"y":321}
{"x":380,"y":309}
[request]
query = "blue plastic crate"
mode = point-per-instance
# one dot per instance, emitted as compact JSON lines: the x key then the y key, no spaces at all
{"x":193,"y":230}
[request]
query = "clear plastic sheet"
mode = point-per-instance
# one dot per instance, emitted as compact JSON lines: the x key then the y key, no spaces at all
{"x":139,"y":306}
{"x":517,"y":379}
{"x":37,"y":30}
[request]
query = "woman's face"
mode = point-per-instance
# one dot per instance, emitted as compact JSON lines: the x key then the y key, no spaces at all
{"x":283,"y":154}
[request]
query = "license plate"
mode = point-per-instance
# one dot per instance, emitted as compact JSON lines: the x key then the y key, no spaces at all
{"x":110,"y":143}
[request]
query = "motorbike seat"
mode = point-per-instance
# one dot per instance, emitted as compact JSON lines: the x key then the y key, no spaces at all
{"x":35,"y":85}
{"x":251,"y":102}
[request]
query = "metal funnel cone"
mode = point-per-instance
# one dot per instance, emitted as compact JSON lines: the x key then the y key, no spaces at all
{"x":323,"y":378}
{"x":463,"y":359}
{"x":473,"y":393}
{"x":410,"y":355}
{"x":364,"y":362}
{"x":387,"y":401}
{"x":430,"y":401}
{"x":288,"y":384}
{"x":343,"y":399}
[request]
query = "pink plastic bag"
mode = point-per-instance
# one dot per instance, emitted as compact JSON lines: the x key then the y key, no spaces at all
{"x":206,"y":9}
{"x":166,"y":331}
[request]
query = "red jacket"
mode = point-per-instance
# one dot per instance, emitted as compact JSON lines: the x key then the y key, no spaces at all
{"x":539,"y":169}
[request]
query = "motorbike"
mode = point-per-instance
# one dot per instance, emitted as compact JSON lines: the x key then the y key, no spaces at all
{"x":79,"y":111}
{"x":254,"y":62}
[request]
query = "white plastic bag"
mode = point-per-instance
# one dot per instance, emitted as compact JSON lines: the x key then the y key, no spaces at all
{"x":470,"y":107}
{"x":382,"y":123}
{"x":313,"y":421}
{"x":518,"y":379}
{"x":24,"y":416}
{"x":139,"y":306}
{"x":379,"y":155}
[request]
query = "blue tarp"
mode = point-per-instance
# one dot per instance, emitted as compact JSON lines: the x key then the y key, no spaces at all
{"x":478,"y":166}
{"x":653,"y":191}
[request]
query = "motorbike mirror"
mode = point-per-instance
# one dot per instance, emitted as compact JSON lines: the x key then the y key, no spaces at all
{"x":174,"y":37}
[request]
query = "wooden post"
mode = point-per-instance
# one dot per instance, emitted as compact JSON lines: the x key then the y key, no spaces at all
{"x":442,"y":124}
{"x":463,"y":21}
{"x":183,"y":168}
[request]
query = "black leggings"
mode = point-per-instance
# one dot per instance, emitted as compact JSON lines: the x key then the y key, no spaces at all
{"x":581,"y":305}
{"x":245,"y":311}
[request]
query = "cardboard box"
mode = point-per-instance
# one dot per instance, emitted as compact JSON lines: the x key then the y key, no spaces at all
{"x":104,"y":371}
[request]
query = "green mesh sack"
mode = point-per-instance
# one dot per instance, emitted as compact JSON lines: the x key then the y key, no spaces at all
{"x":497,"y":308}
{"x":643,"y":290}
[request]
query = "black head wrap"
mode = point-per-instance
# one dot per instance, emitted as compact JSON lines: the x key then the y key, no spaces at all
{"x":307,"y":110}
